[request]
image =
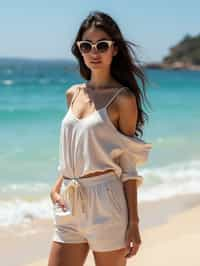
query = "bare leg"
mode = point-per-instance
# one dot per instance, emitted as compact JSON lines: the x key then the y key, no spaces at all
{"x":66,"y":254}
{"x":111,"y":258}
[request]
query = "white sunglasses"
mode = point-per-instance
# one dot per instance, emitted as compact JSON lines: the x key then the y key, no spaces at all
{"x":100,"y":46}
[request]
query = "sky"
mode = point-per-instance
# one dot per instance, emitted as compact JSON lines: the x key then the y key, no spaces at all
{"x":46,"y":29}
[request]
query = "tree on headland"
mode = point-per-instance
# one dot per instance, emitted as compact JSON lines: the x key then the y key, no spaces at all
{"x":187,"y":51}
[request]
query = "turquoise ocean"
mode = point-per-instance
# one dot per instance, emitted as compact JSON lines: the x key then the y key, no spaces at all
{"x":32,"y":105}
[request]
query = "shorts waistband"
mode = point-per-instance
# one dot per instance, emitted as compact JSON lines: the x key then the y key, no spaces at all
{"x":75,"y":192}
{"x":92,"y":180}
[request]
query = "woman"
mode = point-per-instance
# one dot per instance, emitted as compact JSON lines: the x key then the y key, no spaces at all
{"x":95,"y":196}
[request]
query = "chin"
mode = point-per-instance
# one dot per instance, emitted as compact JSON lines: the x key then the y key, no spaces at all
{"x":97,"y":66}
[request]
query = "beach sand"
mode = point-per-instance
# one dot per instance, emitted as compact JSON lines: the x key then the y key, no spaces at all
{"x":169,"y":228}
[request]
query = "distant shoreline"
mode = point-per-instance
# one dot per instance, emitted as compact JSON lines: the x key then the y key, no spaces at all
{"x":173,"y":66}
{"x":177,"y":65}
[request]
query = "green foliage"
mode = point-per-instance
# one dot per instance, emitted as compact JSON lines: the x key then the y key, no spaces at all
{"x":186,"y":51}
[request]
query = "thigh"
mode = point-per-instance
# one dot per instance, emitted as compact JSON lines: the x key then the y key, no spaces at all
{"x":111,"y":258}
{"x":67,"y":254}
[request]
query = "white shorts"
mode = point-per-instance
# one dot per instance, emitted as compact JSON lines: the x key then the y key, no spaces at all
{"x":103,"y":223}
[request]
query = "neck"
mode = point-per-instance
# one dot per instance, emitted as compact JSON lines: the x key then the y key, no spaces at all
{"x":100,"y":80}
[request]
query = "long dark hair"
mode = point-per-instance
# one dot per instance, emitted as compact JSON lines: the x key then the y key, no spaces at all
{"x":125,"y":67}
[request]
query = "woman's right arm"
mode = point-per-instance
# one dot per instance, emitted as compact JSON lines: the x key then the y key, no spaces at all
{"x":58,"y":184}
{"x":55,"y":191}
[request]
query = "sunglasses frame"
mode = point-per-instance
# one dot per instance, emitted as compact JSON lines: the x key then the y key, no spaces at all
{"x":109,"y":42}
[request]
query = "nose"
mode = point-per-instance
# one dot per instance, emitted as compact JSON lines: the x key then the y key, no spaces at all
{"x":94,"y":50}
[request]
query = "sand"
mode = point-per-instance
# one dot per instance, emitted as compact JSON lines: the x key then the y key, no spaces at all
{"x":170,"y":235}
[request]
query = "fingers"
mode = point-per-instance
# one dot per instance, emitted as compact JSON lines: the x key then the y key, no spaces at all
{"x":57,"y":199}
{"x":132,"y":250}
{"x":61,"y":204}
{"x":133,"y":240}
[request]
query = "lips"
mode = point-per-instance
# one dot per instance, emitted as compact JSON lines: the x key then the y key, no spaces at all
{"x":95,"y":61}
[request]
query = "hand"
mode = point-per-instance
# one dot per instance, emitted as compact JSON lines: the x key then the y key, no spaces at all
{"x":57,"y":199}
{"x":133,"y":239}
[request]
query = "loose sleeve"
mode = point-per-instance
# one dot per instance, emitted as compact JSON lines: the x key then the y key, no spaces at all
{"x":129,"y":170}
{"x":134,"y":153}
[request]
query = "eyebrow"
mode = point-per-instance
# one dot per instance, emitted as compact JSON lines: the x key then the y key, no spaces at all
{"x":97,"y":41}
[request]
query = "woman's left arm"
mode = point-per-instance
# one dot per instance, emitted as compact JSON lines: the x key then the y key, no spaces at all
{"x":130,"y":189}
{"x":128,"y":113}
{"x":127,"y":123}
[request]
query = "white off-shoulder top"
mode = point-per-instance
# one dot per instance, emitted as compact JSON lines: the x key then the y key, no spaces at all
{"x":93,"y":143}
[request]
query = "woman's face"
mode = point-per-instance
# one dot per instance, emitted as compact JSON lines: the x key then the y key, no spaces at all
{"x":94,"y":59}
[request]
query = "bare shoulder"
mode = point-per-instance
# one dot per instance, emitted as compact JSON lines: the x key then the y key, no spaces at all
{"x":72,"y":88}
{"x":128,"y":111}
{"x":126,"y":98}
{"x":69,"y":93}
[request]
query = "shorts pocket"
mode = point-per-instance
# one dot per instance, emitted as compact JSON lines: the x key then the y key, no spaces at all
{"x":60,"y":216}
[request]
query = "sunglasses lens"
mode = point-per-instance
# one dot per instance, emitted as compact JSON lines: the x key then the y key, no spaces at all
{"x":85,"y":47}
{"x":102,"y":46}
